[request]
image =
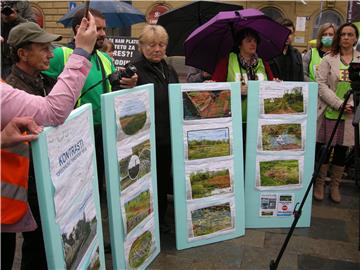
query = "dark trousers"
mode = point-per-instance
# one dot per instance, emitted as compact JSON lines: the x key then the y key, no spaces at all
{"x":338,"y":157}
{"x":99,"y":151}
{"x":164,"y":179}
{"x":8,"y":242}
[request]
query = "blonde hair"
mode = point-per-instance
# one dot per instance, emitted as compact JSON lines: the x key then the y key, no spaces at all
{"x":108,"y":46}
{"x":153,"y":33}
{"x":322,"y":29}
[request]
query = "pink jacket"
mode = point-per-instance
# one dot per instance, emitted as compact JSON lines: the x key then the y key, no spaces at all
{"x":50,"y":110}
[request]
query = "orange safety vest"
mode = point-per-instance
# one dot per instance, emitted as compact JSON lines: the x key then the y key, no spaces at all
{"x":14,"y":182}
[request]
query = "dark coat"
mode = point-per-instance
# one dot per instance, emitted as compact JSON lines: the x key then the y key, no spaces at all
{"x":288,"y":67}
{"x":149,"y":74}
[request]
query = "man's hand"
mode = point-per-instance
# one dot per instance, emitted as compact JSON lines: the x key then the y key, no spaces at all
{"x":86,"y":34}
{"x":15,"y":131}
{"x":129,"y":82}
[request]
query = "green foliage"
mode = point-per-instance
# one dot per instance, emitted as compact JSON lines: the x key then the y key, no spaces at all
{"x":207,"y":148}
{"x":137,"y":209}
{"x":203,"y":184}
{"x":140,"y":250}
{"x":133,"y":123}
{"x":291,"y":102}
{"x":279,"y":172}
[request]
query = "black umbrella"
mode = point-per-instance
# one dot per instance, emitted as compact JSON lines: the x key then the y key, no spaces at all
{"x":180,"y":22}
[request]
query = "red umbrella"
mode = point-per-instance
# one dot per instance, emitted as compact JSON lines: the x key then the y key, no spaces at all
{"x":215,"y":39}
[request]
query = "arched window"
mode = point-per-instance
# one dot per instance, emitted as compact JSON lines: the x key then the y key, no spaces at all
{"x":273,"y":13}
{"x":327,"y":16}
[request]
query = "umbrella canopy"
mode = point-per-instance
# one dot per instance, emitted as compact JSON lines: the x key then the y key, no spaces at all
{"x":180,"y":22}
{"x":117,"y":13}
{"x":215,"y":39}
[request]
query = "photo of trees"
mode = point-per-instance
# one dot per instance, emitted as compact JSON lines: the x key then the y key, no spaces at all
{"x":206,"y":104}
{"x":280,"y":137}
{"x":137,"y":209}
{"x":279,"y":173}
{"x":130,"y":169}
{"x":292,"y":101}
{"x":133,"y":116}
{"x":208,"y":143}
{"x":211,"y":219}
{"x":208,"y":183}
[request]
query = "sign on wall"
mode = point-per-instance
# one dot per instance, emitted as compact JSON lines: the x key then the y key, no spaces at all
{"x":130,"y":163}
{"x":66,"y":180}
{"x":280,"y":152}
{"x":207,"y":162}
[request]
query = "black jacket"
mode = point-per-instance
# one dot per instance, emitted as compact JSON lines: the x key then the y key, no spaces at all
{"x":149,"y":73}
{"x":288,"y":67}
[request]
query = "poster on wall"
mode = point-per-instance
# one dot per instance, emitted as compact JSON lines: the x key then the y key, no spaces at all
{"x":71,"y":215}
{"x":130,"y":166}
{"x":280,"y":151}
{"x":207,"y":163}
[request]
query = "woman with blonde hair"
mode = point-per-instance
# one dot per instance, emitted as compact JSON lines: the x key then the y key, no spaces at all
{"x":312,"y":58}
{"x":333,"y":78}
{"x":152,"y":68}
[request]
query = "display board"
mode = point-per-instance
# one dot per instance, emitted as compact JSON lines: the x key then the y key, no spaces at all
{"x":130,"y":166}
{"x":66,"y":182}
{"x":206,"y":135}
{"x":280,"y":153}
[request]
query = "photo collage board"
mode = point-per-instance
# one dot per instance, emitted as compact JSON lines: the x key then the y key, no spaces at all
{"x":66,"y":180}
{"x":206,"y":204}
{"x":280,"y":151}
{"x":128,"y":131}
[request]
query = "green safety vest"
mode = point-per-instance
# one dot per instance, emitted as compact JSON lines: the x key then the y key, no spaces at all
{"x":234,"y":75}
{"x":314,"y":63}
{"x":341,"y":88}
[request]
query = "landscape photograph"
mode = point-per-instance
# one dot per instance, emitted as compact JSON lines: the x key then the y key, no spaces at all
{"x":206,"y":104}
{"x":279,"y":173}
{"x":291,"y":101}
{"x":211,"y":219}
{"x":137,"y":209}
{"x":208,"y":183}
{"x":135,"y":166}
{"x":141,"y":249}
{"x":208,"y":143}
{"x":132,"y":116}
{"x":280,"y":137}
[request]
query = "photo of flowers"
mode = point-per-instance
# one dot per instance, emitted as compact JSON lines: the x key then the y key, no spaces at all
{"x":211,"y":219}
{"x":206,"y":104}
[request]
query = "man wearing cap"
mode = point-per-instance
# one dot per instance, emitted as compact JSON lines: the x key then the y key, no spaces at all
{"x":31,"y":50}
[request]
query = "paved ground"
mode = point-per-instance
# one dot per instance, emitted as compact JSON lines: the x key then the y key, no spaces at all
{"x":330,"y":243}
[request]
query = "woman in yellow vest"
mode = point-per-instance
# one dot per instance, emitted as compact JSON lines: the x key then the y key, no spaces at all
{"x":241,"y":65}
{"x":312,"y":58}
{"x":333,"y":79}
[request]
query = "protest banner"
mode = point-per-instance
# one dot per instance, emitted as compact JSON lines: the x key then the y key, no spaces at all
{"x":126,"y":50}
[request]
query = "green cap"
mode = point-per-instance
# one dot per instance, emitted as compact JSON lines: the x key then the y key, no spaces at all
{"x":30,"y":32}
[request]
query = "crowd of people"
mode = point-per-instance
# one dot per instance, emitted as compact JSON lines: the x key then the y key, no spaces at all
{"x":42,"y":85}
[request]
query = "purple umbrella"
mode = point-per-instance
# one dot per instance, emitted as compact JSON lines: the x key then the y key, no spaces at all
{"x":215,"y":39}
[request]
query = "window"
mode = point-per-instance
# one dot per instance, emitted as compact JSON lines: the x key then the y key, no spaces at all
{"x":329,"y":16}
{"x":273,"y":13}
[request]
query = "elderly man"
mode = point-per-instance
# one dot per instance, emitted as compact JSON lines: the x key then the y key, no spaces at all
{"x":31,"y":49}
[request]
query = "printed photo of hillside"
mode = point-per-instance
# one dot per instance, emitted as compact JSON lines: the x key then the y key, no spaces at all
{"x":137,"y":209}
{"x":141,"y":249}
{"x":281,"y":137}
{"x":292,"y":101}
{"x":211,"y":219}
{"x":208,"y":183}
{"x":208,"y":143}
{"x":133,"y":116}
{"x":279,"y":173}
{"x":206,"y":104}
{"x":135,"y":166}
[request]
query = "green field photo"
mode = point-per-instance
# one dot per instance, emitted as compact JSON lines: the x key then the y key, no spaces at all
{"x":204,"y":184}
{"x":133,"y":117}
{"x":140,"y":250}
{"x":137,"y":210}
{"x":211,"y":219}
{"x":279,"y":173}
{"x":291,"y":102}
{"x":280,"y":137}
{"x":208,"y":143}
{"x":206,"y":104}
